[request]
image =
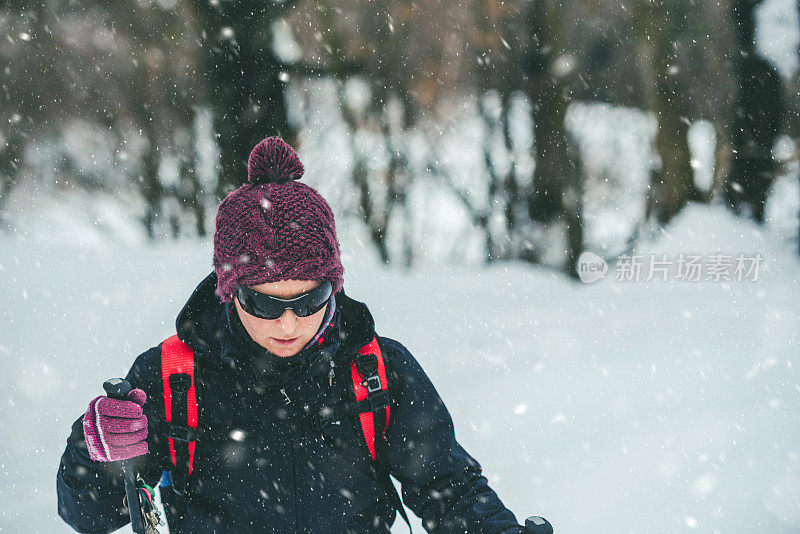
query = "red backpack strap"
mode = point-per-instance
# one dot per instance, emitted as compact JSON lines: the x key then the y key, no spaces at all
{"x":180,"y":407}
{"x":368,"y":371}
{"x":371,"y":387}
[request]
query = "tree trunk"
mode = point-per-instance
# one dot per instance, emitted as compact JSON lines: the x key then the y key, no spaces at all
{"x":148,"y":110}
{"x":376,"y":222}
{"x":246,"y":94}
{"x":672,"y":180}
{"x":496,"y":72}
{"x":720,"y":69}
{"x":558,"y":180}
{"x":150,"y":187}
{"x":10,"y":157}
{"x":757,"y":120}
{"x":723,"y":155}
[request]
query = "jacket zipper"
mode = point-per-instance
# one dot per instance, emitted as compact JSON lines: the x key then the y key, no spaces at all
{"x":293,"y":439}
{"x":294,"y":484}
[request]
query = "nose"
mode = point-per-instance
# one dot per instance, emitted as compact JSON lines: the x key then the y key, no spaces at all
{"x":288,"y":321}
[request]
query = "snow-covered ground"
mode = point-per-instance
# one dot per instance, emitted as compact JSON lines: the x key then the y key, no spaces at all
{"x":607,"y":407}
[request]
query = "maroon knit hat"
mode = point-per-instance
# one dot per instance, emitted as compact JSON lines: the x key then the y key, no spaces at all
{"x":274,"y":228}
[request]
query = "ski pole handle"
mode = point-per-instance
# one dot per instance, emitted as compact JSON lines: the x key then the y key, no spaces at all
{"x":538,"y":525}
{"x":118,"y":388}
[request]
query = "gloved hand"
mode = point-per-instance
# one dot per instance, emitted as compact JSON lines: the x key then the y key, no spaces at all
{"x":116,"y":429}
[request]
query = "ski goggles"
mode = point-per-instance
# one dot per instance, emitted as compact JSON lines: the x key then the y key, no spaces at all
{"x":269,"y":307}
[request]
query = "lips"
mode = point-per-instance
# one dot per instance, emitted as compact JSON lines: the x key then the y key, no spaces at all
{"x":284,"y":341}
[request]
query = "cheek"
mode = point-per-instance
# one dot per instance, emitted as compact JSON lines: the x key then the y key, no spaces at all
{"x":259,"y":327}
{"x":308,"y":325}
{"x":312,"y":323}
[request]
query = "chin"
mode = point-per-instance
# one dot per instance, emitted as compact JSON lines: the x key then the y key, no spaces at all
{"x":284,"y":352}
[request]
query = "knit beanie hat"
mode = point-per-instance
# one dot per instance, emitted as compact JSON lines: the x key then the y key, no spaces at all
{"x":273,"y":227}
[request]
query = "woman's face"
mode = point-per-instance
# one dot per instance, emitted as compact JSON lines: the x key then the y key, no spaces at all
{"x":297,"y":331}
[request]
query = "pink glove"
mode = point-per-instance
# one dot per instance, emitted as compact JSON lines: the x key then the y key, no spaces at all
{"x":116,"y":429}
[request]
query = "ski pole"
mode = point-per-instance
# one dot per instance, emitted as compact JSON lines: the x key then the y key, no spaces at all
{"x":538,"y":525}
{"x":118,"y":388}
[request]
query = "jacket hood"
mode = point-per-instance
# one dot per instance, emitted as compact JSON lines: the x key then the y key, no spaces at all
{"x":198,"y":323}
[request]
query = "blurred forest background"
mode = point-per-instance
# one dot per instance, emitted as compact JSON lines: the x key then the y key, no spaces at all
{"x":470,"y":131}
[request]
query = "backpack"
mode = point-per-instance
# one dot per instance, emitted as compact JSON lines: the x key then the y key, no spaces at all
{"x":371,"y":404}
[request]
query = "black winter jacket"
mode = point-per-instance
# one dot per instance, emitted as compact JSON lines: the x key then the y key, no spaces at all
{"x":277,"y":478}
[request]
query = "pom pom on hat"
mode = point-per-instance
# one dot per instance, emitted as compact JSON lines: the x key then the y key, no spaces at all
{"x":273,"y":161}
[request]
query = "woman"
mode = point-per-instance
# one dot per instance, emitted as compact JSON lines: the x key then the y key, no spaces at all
{"x":274,"y":340}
